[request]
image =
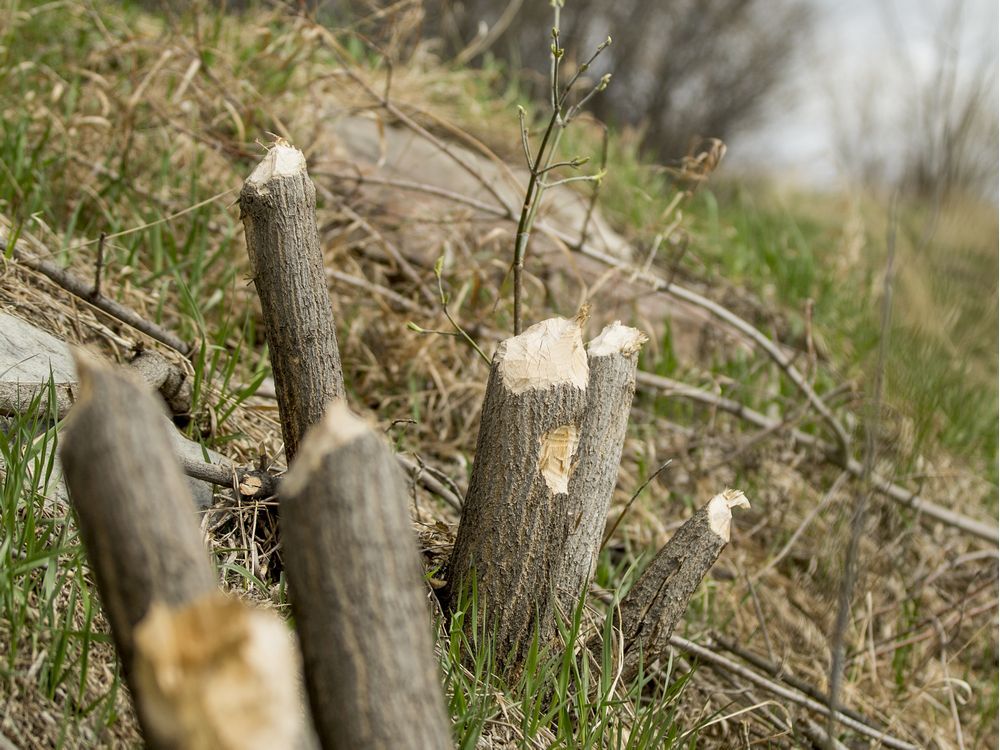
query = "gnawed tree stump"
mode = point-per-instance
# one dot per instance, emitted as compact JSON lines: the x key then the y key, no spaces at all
{"x":355,"y":580}
{"x":278,"y":208}
{"x":516,"y":520}
{"x":658,"y":600}
{"x":613,"y":357}
{"x":206,"y":671}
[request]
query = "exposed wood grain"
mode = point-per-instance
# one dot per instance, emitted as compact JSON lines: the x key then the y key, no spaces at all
{"x":205,"y":671}
{"x":516,"y":519}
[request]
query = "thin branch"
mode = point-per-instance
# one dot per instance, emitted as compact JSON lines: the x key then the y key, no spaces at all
{"x":224,"y":476}
{"x":846,"y":592}
{"x":85,"y":291}
{"x":596,"y":192}
{"x":632,"y":499}
{"x":250,"y":483}
{"x":861,"y":727}
{"x":405,"y":266}
{"x":418,"y":187}
{"x":901,"y":495}
{"x":99,"y":266}
{"x":396,"y":112}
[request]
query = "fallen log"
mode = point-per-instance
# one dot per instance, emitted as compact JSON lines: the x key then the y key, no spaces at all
{"x":206,"y":671}
{"x":355,"y":580}
{"x":515,"y":521}
{"x":656,"y":602}
{"x":278,"y":208}
{"x":612,"y":358}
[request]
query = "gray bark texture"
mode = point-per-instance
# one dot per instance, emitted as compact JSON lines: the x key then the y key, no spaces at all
{"x":613,"y":357}
{"x":169,"y":380}
{"x":516,"y":519}
{"x":657,"y":601}
{"x":355,"y":580}
{"x":135,"y":512}
{"x":278,"y":208}
{"x":207,"y":672}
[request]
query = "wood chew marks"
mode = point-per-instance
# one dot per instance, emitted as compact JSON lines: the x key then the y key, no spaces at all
{"x":278,"y":208}
{"x":515,"y":521}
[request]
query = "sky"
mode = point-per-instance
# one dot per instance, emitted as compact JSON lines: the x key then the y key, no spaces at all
{"x":865,"y":62}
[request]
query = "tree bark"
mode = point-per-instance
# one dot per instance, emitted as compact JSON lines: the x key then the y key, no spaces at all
{"x":355,"y":580}
{"x":166,"y":378}
{"x":515,"y":521}
{"x":278,"y":208}
{"x":613,"y":357}
{"x":192,"y":658}
{"x":658,"y":600}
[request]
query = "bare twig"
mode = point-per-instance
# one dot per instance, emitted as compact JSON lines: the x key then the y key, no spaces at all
{"x":596,"y":192}
{"x":831,"y":453}
{"x":404,"y":265}
{"x":80,"y":288}
{"x":864,"y":496}
{"x":429,"y":481}
{"x":632,"y":499}
{"x":779,"y":673}
{"x":99,"y":266}
{"x":716,"y":660}
{"x":396,"y":112}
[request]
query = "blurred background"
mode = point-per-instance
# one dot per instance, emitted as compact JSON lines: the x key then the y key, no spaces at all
{"x":885,"y":93}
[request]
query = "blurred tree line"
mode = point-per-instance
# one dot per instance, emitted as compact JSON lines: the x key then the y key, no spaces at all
{"x":683,"y":69}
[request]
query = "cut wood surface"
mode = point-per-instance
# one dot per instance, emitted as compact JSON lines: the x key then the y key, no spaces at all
{"x":278,"y":208}
{"x":516,"y":519}
{"x":206,"y":671}
{"x":657,"y":601}
{"x":613,"y":357}
{"x":355,"y":580}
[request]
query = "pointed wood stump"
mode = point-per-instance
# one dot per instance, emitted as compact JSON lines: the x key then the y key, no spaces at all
{"x":206,"y":671}
{"x":613,"y":357}
{"x":278,"y":208}
{"x":657,"y":601}
{"x":359,"y":603}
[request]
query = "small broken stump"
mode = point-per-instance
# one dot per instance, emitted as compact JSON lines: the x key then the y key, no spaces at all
{"x":657,"y":601}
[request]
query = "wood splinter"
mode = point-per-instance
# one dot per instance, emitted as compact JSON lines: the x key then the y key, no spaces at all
{"x":657,"y":601}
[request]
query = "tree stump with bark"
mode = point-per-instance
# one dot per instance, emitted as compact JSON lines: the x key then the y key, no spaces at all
{"x":357,"y":594}
{"x":516,"y":520}
{"x":278,"y":208}
{"x":206,"y":671}
{"x":613,"y":357}
{"x":657,"y":601}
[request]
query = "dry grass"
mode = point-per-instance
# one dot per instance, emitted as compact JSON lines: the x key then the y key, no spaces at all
{"x":145,"y":119}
